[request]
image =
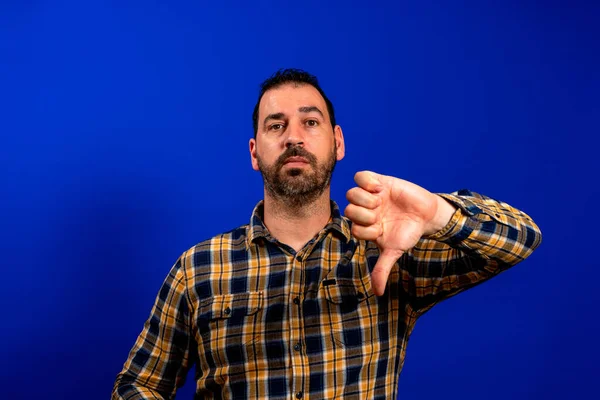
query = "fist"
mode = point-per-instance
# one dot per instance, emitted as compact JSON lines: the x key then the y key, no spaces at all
{"x":395,"y":214}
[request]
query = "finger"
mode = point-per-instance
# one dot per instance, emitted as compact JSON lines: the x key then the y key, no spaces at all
{"x":361,"y":197}
{"x":360,"y":215}
{"x":371,"y":232}
{"x":369,"y":181}
{"x":382,"y":269}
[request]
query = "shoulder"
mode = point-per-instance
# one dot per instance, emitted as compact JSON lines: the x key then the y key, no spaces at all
{"x":202,"y":254}
{"x":206,"y":263}
{"x":230,"y":240}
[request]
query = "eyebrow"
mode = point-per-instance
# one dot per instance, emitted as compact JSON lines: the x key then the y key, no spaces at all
{"x":310,"y":109}
{"x":273,"y":116}
{"x":306,"y":109}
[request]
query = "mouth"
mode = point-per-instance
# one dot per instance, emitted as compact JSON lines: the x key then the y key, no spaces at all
{"x":295,"y":161}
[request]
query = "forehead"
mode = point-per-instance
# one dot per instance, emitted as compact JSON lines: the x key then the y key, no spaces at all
{"x":288,"y":98}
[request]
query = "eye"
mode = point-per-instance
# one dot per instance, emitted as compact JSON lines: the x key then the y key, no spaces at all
{"x":312,"y":123}
{"x":275,"y":127}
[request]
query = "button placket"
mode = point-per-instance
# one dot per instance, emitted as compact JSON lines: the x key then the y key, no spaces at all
{"x":298,"y":360}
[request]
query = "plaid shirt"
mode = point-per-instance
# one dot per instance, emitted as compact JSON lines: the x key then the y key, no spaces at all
{"x":260,"y":320}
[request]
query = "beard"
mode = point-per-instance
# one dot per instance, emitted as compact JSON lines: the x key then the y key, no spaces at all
{"x":297,"y":186}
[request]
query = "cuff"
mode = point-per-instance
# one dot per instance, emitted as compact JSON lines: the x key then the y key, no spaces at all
{"x":452,"y":227}
{"x":468,"y":216}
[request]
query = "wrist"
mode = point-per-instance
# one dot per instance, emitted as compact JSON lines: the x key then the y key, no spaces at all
{"x":444,"y":212}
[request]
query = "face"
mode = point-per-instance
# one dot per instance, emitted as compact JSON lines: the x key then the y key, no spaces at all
{"x":296,"y":147}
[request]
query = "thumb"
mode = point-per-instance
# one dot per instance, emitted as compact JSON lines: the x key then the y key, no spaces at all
{"x":382,"y":269}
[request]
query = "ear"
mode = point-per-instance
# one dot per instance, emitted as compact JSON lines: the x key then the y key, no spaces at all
{"x":339,"y":141}
{"x":252,"y":145}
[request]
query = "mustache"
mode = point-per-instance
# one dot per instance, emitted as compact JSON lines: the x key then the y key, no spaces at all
{"x":296,"y":151}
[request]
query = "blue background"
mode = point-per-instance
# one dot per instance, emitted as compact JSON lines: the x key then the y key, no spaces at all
{"x":124,"y":132}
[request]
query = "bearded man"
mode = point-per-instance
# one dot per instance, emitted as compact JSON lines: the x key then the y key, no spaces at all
{"x":303,"y":302}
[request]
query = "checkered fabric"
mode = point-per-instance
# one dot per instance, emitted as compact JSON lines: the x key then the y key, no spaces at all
{"x":261,"y":321}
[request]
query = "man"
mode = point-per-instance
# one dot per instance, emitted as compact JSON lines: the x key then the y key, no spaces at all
{"x":305,"y":303}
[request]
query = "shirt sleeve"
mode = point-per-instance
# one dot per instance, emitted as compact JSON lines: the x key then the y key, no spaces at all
{"x":483,"y":238}
{"x":165,"y":349}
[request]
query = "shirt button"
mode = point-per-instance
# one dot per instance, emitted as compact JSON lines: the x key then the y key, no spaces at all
{"x":296,"y":300}
{"x":227,"y":311}
{"x":299,"y":395}
{"x":297,"y":346}
{"x":299,"y":258}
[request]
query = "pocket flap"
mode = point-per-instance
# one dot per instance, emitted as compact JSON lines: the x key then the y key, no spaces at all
{"x":229,"y":305}
{"x":347,"y":290}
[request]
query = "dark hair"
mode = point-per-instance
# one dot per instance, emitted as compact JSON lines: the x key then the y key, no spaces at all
{"x":290,"y":75}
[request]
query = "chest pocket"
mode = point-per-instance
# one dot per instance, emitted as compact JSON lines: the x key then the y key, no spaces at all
{"x":353,"y":310}
{"x":228,"y":323}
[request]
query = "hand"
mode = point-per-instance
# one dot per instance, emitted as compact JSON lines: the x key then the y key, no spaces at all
{"x":395,"y":214}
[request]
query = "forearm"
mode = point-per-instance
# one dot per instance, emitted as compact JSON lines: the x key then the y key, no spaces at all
{"x":489,"y":229}
{"x":126,"y":388}
{"x":483,"y":238}
{"x":164,"y":351}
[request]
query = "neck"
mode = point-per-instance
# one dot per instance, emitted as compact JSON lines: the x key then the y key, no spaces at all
{"x":296,"y":225}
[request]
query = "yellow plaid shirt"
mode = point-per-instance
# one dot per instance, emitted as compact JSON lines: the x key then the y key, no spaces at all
{"x":261,"y":321}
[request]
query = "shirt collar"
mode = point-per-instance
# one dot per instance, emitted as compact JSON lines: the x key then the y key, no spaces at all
{"x":257,"y":229}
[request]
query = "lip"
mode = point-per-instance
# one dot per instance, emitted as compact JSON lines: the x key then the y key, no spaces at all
{"x":296,"y":161}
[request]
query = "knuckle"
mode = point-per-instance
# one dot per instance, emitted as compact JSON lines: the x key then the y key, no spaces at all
{"x":370,"y":218}
{"x":351,"y":194}
{"x":348,"y":209}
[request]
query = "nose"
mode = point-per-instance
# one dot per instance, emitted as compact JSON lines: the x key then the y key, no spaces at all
{"x":295,"y":137}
